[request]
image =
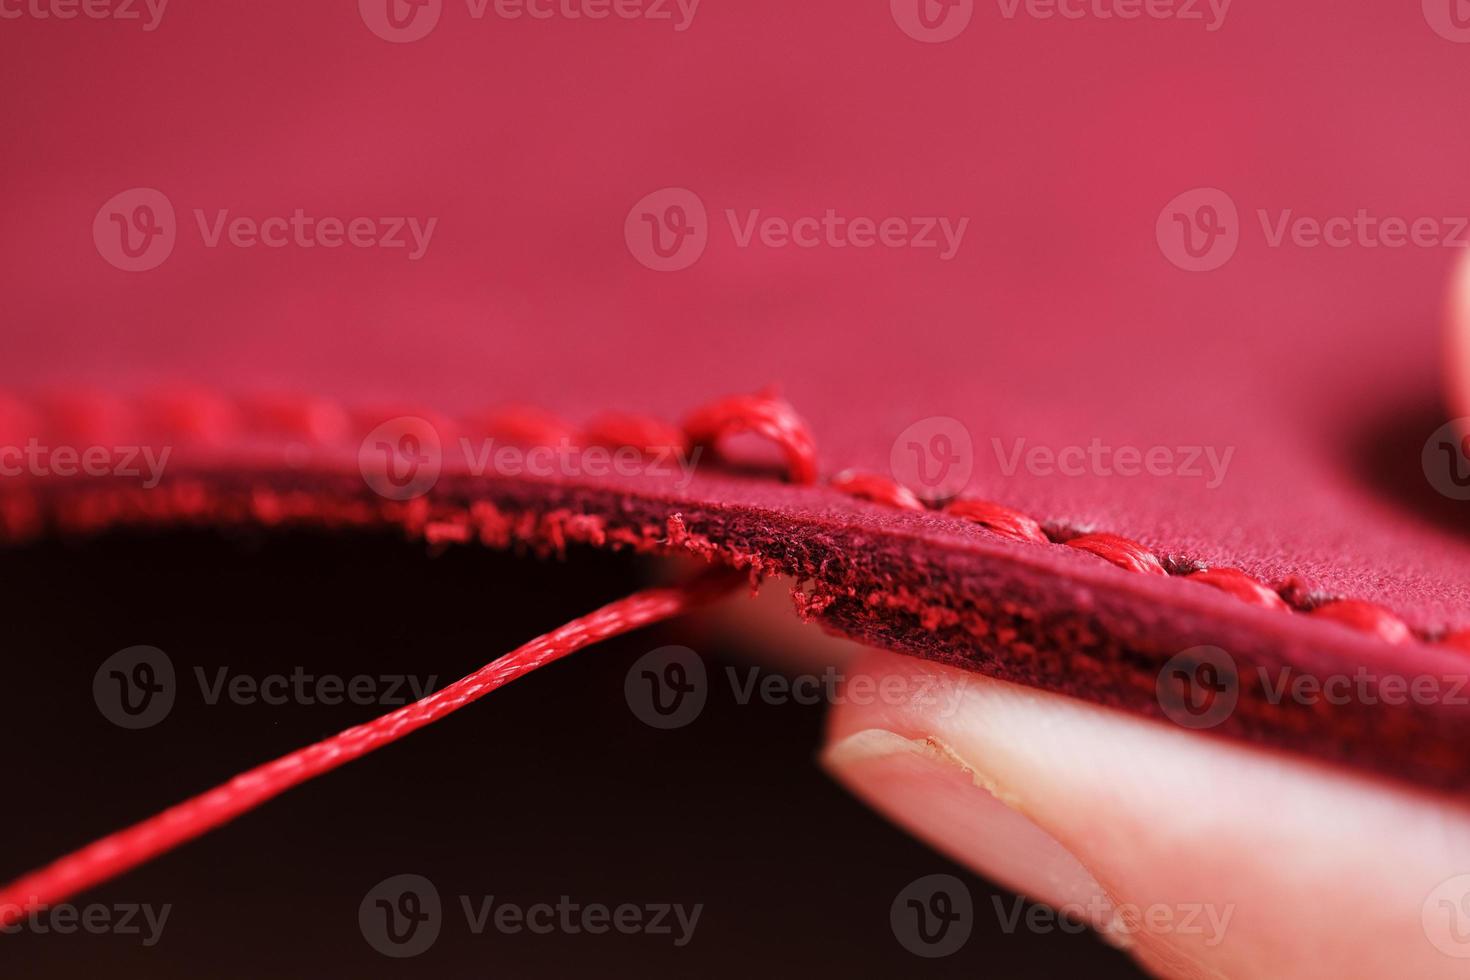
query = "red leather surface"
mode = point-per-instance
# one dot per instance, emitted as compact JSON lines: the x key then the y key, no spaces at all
{"x":1059,"y":320}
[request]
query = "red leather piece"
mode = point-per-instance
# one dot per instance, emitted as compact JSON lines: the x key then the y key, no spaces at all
{"x":1058,"y":323}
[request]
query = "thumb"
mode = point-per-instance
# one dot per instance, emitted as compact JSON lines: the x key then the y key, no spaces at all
{"x":1200,"y":856}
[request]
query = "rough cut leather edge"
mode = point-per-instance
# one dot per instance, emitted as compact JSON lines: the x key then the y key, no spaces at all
{"x":1046,"y":616}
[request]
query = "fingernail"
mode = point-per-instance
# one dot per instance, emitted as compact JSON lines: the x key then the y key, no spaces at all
{"x":923,"y":785}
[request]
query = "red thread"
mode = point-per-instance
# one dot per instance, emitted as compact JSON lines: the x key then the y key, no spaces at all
{"x":765,"y":414}
{"x":1001,"y":520}
{"x":17,"y":421}
{"x":616,"y":430}
{"x":1120,"y":551}
{"x":317,"y":420}
{"x":880,"y":490}
{"x":366,"y":419}
{"x":523,"y":426}
{"x":126,"y":849}
{"x":1460,"y":639}
{"x":1368,"y":618}
{"x":1240,"y":585}
{"x":191,"y":415}
{"x":87,"y":416}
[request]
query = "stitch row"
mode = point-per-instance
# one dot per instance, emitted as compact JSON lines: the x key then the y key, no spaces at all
{"x":776,"y":419}
{"x":211,"y":418}
{"x":1131,"y":556}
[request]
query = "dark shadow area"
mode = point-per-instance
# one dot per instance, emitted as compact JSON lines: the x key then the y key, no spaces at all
{"x":1387,"y":451}
{"x":549,"y":788}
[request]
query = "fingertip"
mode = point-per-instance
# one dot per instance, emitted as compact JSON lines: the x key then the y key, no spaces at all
{"x":1215,"y":858}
